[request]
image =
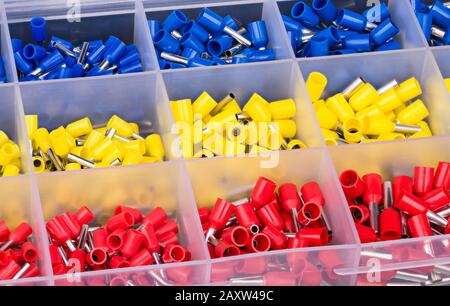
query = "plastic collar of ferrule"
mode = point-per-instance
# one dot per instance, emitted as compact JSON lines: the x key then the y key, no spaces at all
{"x":363,"y":98}
{"x":409,"y":90}
{"x":258,"y":109}
{"x":203,"y":105}
{"x":353,"y":130}
{"x":377,"y":125}
{"x":327,"y":119}
{"x":340,"y":107}
{"x":413,"y":113}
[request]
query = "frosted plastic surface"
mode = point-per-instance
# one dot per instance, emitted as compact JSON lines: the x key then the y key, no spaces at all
{"x":183,"y":185}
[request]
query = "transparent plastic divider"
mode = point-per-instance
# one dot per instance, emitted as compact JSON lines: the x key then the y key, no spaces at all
{"x":437,"y":91}
{"x":20,"y":203}
{"x":143,"y":39}
{"x":172,"y":3}
{"x":390,"y":159}
{"x":136,"y":98}
{"x":6,"y":48}
{"x":57,"y":9}
{"x":403,"y":16}
{"x":13,"y":124}
{"x":399,"y":65}
{"x":143,"y":187}
{"x":243,"y":12}
{"x":440,"y":55}
{"x":233,"y":178}
{"x":272,"y":80}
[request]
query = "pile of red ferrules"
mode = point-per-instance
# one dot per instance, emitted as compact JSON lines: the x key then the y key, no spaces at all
{"x":416,"y":206}
{"x":267,"y":220}
{"x":17,"y":255}
{"x":128,"y":239}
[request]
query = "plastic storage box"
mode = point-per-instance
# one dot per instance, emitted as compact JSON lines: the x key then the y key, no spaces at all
{"x":183,"y":185}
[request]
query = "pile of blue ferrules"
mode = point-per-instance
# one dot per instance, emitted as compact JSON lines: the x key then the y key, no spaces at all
{"x":209,"y":40}
{"x":321,"y":29}
{"x":62,"y":60}
{"x":434,"y":21}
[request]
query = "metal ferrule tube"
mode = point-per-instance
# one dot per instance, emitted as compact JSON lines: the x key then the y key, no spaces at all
{"x":83,"y":236}
{"x":82,"y":57}
{"x":407,"y":129}
{"x":124,"y":139}
{"x":306,"y":38}
{"x":110,"y":133}
{"x":237,"y":36}
{"x":6,"y":245}
{"x":70,"y":245}
{"x":79,"y":142}
{"x":374,"y":213}
{"x":295,"y":219}
{"x":62,"y":48}
{"x":80,"y":160}
{"x":370,"y":26}
{"x":103,"y":65}
{"x":353,"y":87}
{"x":63,"y":256}
{"x":234,"y":50}
{"x":395,"y":282}
{"x":230,"y":97}
{"x":22,"y":271}
{"x":209,"y":237}
{"x":159,"y":279}
{"x":137,"y":136}
{"x":436,"y":32}
{"x":326,"y":222}
{"x":411,"y":276}
{"x":243,"y":116}
{"x":388,"y":86}
{"x":445,"y":213}
{"x":175,"y":34}
{"x":387,"y":196}
{"x":55,"y":160}
{"x":436,"y":219}
{"x":441,"y":269}
{"x":250,"y":281}
{"x":379,"y":254}
{"x":404,"y":219}
{"x":115,"y":162}
{"x":240,"y":202}
{"x":174,"y":58}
